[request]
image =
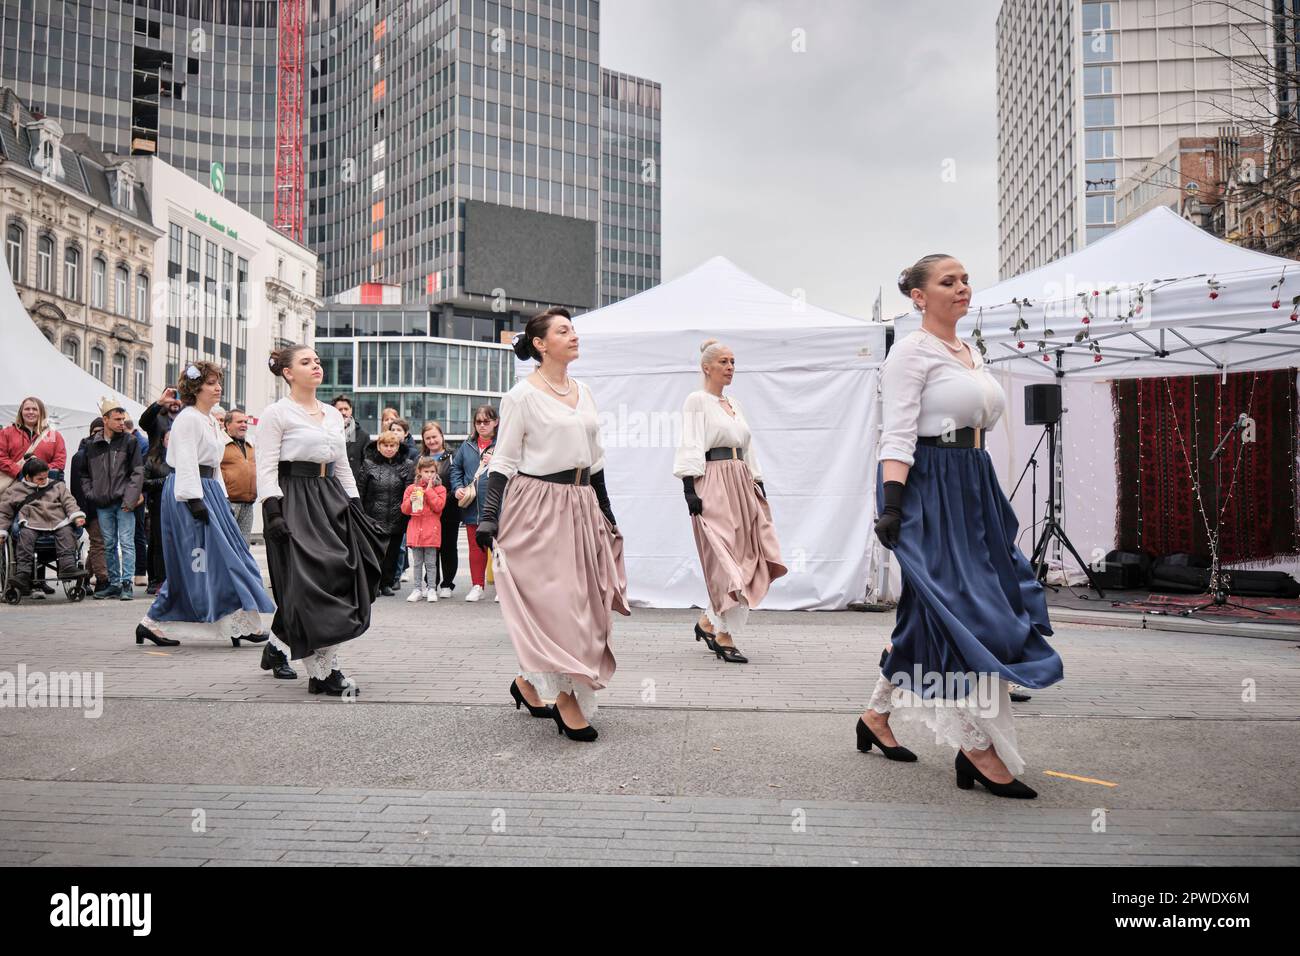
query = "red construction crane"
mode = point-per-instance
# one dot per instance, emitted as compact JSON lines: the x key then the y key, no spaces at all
{"x":290,"y":93}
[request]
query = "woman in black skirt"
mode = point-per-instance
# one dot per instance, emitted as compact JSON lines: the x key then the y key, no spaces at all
{"x":324,"y":554}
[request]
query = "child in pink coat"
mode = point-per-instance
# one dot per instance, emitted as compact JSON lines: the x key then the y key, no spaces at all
{"x":424,"y":502}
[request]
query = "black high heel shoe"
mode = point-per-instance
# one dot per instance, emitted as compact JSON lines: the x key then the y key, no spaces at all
{"x":702,"y":635}
{"x":968,"y":773}
{"x":251,"y":638}
{"x":543,"y":711}
{"x":730,"y":654}
{"x":143,"y":634}
{"x":866,"y":738}
{"x":1019,"y":698}
{"x":585,"y":735}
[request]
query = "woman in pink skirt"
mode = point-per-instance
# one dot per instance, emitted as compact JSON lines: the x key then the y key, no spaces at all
{"x":730,"y":515}
{"x":558,"y":555}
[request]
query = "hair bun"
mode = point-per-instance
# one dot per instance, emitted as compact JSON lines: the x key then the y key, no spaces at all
{"x":521,"y":346}
{"x":903,"y":285}
{"x":706,"y":343}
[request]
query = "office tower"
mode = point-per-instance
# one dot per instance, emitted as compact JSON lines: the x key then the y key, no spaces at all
{"x":630,"y":170}
{"x":193,"y":83}
{"x":1088,"y":92}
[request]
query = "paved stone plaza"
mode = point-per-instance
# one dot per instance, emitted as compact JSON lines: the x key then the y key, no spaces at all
{"x":201,"y":758}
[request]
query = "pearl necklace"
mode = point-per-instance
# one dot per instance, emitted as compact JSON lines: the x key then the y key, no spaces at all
{"x":955,"y":349}
{"x":553,"y":388}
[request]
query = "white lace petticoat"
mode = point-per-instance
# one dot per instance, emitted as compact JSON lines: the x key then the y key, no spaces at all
{"x":550,"y":685}
{"x":317,"y":663}
{"x":969,"y":723}
{"x":731,"y":621}
{"x":234,"y":624}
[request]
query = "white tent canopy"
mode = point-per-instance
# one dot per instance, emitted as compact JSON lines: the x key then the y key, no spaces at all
{"x":31,"y":365}
{"x":1165,"y":265}
{"x":1152,"y":314}
{"x":806,"y":378}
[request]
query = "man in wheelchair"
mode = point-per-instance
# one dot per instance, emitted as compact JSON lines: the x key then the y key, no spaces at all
{"x":33,"y":506}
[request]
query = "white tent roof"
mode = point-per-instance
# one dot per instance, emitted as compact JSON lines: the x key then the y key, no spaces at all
{"x":30,"y":365}
{"x":716,"y":294}
{"x":1152,"y":314}
{"x":717,"y":299}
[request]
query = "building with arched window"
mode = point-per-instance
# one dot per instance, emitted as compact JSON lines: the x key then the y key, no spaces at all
{"x":79,"y":242}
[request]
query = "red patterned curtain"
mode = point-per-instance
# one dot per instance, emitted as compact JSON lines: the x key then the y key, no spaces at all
{"x":1166,"y":429}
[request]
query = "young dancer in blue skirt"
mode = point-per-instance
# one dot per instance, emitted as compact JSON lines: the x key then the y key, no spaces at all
{"x":213,"y":586}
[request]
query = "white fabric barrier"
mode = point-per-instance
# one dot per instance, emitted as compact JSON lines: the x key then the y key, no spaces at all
{"x":811,"y":400}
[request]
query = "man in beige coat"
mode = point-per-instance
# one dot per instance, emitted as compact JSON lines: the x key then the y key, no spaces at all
{"x":239,"y":471}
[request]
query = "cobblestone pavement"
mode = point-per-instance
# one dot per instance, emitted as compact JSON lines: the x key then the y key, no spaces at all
{"x":698,"y":761}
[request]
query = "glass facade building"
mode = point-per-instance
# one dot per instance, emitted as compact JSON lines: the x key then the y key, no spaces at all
{"x":473,"y":156}
{"x":408,"y":358}
{"x":630,"y":173}
{"x":1088,"y":92}
{"x":190,"y":81}
{"x":417,"y":108}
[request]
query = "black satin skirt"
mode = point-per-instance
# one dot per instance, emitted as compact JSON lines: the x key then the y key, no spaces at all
{"x":326,"y":576}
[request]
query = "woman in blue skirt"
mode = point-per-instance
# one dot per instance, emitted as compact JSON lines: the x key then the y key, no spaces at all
{"x":972,"y":617}
{"x":213,"y":586}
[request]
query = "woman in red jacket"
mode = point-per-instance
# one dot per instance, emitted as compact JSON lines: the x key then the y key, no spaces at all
{"x":423,"y":501}
{"x":31,"y":436}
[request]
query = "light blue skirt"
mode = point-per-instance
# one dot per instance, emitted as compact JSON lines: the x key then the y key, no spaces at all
{"x":213,"y":587}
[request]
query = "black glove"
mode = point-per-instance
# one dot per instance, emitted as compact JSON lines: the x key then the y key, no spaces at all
{"x":198,"y":509}
{"x":693,"y":503}
{"x":490,"y":509}
{"x":761,"y":490}
{"x":891,"y":516}
{"x":602,"y":496}
{"x":273,"y":524}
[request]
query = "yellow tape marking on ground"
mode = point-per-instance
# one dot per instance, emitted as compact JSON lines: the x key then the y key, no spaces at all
{"x":1070,"y":776}
{"x":158,"y":653}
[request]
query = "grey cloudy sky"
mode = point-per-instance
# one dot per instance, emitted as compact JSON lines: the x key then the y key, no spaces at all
{"x":820,"y":170}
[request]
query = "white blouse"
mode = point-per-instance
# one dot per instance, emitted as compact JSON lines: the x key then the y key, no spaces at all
{"x":705,"y":425}
{"x":928,"y":391}
{"x":540,"y":435}
{"x":195,"y":439}
{"x":285,"y":432}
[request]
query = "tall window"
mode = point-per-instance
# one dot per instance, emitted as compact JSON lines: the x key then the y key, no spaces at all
{"x":97,"y":363}
{"x":141,"y":379}
{"x":72,"y":349}
{"x":193,"y":269}
{"x":142,"y":310}
{"x":98,"y":276}
{"x":16,"y":251}
{"x":122,"y":291}
{"x":45,"y":264}
{"x":210,"y":297}
{"x":119,"y":372}
{"x":242,"y":297}
{"x":72,"y":276}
